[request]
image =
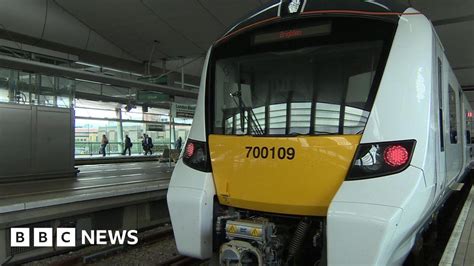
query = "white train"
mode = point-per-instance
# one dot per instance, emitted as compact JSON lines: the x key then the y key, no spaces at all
{"x":326,"y":132}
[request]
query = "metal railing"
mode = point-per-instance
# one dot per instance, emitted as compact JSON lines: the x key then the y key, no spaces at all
{"x":84,"y":149}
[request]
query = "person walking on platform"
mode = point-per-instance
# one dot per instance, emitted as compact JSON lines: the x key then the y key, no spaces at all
{"x":149,"y":143}
{"x":144,"y":144}
{"x":128,"y":145}
{"x":178,"y":144}
{"x":103,"y":145}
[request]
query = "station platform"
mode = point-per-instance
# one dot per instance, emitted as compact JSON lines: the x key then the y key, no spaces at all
{"x":93,"y":182}
{"x":115,"y":159}
{"x":114,"y":196}
{"x":460,"y":247}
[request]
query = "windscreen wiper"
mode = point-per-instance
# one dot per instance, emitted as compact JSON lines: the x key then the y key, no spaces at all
{"x":254,"y":124}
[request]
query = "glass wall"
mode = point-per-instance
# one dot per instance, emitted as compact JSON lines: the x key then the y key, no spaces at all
{"x":30,"y":88}
{"x":88,"y":135}
{"x":94,"y":119}
{"x":4,"y":85}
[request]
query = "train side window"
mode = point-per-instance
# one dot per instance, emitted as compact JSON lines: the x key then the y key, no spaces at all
{"x":440,"y":100}
{"x":460,"y":114}
{"x":453,"y":132}
{"x":468,"y":126}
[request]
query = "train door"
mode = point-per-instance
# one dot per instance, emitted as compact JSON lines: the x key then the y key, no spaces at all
{"x":454,"y":154}
{"x":440,"y":102}
{"x":462,"y":127}
{"x":468,"y":122}
{"x":463,"y":113}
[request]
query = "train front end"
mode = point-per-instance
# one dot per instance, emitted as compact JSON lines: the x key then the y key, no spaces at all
{"x":283,"y":106}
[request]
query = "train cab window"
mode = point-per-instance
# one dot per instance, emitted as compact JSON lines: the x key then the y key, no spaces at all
{"x":327,"y":118}
{"x":453,"y":125}
{"x":355,"y":117}
{"x":287,"y":83}
{"x":313,"y":86}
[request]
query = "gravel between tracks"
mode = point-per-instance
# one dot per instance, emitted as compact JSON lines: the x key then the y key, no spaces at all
{"x":146,"y":254}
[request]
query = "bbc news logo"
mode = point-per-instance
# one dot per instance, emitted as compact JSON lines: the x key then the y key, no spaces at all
{"x":66,"y":237}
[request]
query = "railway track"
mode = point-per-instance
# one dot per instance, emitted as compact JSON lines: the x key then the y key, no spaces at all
{"x":180,"y":260}
{"x":83,"y":258}
{"x":92,"y":257}
{"x":177,"y":260}
{"x":114,"y":250}
{"x":434,"y":242}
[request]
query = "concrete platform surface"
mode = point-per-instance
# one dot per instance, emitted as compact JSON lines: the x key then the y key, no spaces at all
{"x":93,"y":182}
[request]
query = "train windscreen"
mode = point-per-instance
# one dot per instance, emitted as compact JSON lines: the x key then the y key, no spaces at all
{"x":305,"y":79}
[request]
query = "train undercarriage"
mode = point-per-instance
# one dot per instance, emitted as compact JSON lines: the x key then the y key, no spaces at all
{"x":243,"y":237}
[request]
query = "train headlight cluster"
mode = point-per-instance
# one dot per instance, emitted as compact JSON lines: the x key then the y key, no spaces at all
{"x":379,"y":159}
{"x":196,"y":155}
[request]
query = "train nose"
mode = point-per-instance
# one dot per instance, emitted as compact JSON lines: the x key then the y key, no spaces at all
{"x":290,"y":175}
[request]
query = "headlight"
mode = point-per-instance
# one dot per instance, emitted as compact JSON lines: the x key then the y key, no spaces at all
{"x":379,"y":159}
{"x":196,"y":156}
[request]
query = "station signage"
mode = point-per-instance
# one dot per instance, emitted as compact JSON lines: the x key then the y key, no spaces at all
{"x":182,"y":110}
{"x":152,"y":96}
{"x":155,"y":127}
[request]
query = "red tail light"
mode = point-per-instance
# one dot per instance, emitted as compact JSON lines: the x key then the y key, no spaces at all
{"x":196,"y":155}
{"x":379,"y":159}
{"x":189,"y":151}
{"x":395,"y":155}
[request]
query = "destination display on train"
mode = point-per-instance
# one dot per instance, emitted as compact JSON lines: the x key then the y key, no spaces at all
{"x":303,"y":32}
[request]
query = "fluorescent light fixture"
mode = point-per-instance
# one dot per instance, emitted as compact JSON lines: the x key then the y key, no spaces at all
{"x":108,"y":68}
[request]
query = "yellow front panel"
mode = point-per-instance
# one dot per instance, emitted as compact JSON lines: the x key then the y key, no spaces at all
{"x":290,"y":175}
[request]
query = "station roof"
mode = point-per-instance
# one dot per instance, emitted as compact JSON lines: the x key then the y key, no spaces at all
{"x":137,"y":30}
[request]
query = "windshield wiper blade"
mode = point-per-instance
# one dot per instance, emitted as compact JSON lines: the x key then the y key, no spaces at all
{"x":254,"y":125}
{"x":241,"y":108}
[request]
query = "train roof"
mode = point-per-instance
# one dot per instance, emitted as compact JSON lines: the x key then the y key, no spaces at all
{"x":283,"y":8}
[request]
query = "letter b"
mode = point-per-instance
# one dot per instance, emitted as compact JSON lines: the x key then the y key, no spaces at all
{"x":20,"y":237}
{"x":43,"y":237}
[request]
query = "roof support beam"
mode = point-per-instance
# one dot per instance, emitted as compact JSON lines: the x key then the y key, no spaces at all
{"x":463,"y":67}
{"x":48,"y":69}
{"x":446,"y":21}
{"x":102,"y":98}
{"x":467,"y":88}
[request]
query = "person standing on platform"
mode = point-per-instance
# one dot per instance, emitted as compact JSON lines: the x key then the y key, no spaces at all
{"x":178,"y":144}
{"x":128,"y":145}
{"x":103,"y":145}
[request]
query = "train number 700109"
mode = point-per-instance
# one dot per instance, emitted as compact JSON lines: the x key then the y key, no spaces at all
{"x":270,"y":152}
